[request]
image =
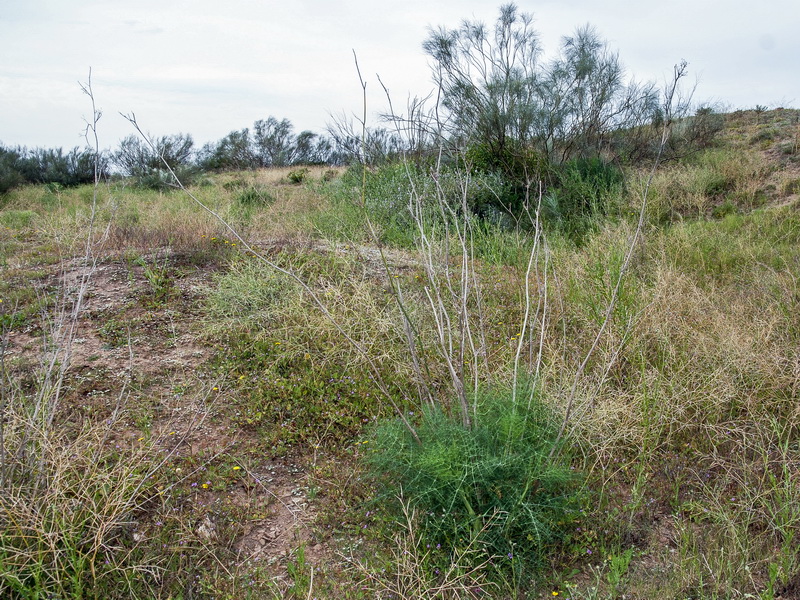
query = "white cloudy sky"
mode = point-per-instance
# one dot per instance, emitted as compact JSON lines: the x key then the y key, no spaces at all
{"x":206,"y":67}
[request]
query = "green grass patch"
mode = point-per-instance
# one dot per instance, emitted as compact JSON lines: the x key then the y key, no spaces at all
{"x":248,"y":294}
{"x":17,"y":219}
{"x":737,"y":247}
{"x":291,"y":400}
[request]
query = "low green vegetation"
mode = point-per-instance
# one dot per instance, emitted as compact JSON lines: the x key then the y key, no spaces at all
{"x":495,"y":485}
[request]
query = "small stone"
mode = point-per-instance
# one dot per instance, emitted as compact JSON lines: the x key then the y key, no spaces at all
{"x":206,"y":530}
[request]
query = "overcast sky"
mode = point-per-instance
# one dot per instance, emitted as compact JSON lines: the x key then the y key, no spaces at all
{"x":207,"y":67}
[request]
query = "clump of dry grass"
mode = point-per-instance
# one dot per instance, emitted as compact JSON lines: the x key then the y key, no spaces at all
{"x":68,"y":510}
{"x":690,"y":411}
{"x":715,"y":182}
{"x":410,"y":572}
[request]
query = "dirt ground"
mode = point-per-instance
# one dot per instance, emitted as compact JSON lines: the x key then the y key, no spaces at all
{"x":145,"y":355}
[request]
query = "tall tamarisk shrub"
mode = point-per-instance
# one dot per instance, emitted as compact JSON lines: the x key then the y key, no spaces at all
{"x":270,"y":143}
{"x":147,"y":165}
{"x":50,"y":165}
{"x":499,"y":92}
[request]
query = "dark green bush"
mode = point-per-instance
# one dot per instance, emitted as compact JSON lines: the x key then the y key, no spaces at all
{"x":577,"y":193}
{"x":495,"y":200}
{"x":517,"y":162}
{"x":145,"y":164}
{"x":297,"y":176}
{"x":49,"y":166}
{"x":255,"y":195}
{"x":10,"y":176}
{"x":515,"y":167}
{"x":494,"y":484}
{"x":583,"y":194}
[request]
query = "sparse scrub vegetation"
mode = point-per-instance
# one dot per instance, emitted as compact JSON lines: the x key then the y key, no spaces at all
{"x":272,"y":143}
{"x":50,"y":166}
{"x":149,"y":165}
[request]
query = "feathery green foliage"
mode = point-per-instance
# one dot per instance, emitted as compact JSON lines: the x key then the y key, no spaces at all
{"x":495,"y":483}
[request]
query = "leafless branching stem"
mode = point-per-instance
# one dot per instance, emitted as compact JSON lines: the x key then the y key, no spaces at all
{"x":669,"y":97}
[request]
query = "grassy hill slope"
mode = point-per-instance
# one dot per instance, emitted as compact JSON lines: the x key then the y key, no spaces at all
{"x":183,"y":420}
